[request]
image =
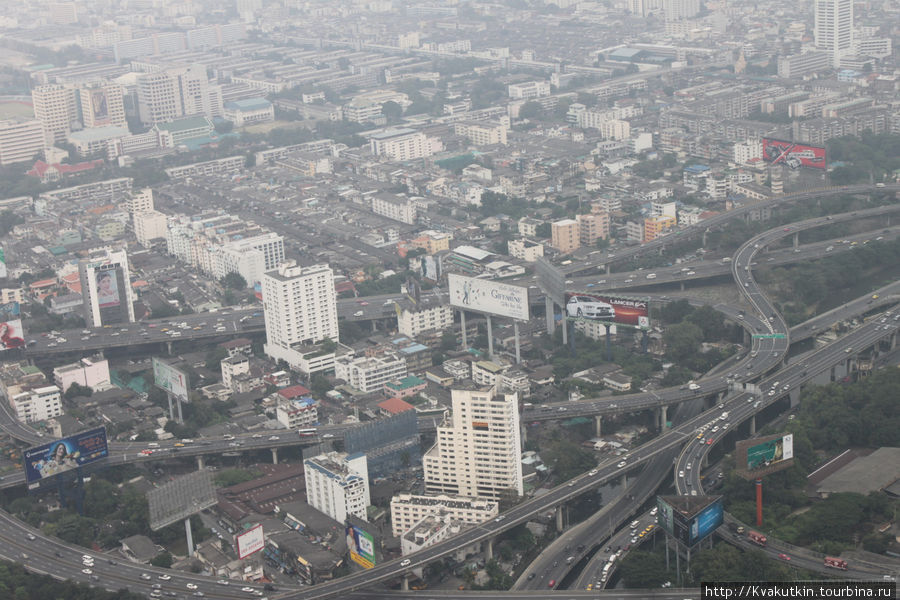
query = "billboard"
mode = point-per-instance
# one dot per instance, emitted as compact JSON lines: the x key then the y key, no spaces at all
{"x":99,"y":105}
{"x":110,"y":286}
{"x":250,"y":541}
{"x":792,"y":154}
{"x":611,"y":309}
{"x":3,"y":272}
{"x":107,"y":289}
{"x":170,"y":379}
{"x":11,"y":335}
{"x":482,"y":295}
{"x":361,"y":546}
{"x":64,"y":454}
{"x":761,"y":456}
{"x":689,"y":519}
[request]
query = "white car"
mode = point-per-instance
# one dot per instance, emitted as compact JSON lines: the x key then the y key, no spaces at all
{"x":87,"y":571}
{"x":589,"y":308}
{"x":405,"y":562}
{"x":191,"y":586}
{"x":621,"y":464}
{"x":222,"y":582}
{"x":165,"y":577}
{"x":681,"y":473}
{"x":249,"y":590}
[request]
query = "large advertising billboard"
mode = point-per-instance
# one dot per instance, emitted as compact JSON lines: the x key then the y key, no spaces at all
{"x":250,"y":541}
{"x":765,"y":455}
{"x":170,"y":379}
{"x":689,"y":519}
{"x":11,"y":335}
{"x":361,"y":546}
{"x":65,"y":454}
{"x":611,"y":309}
{"x":3,"y":271}
{"x":107,"y":289}
{"x":110,"y":287}
{"x":99,"y":105}
{"x":792,"y":154}
{"x":492,"y":297}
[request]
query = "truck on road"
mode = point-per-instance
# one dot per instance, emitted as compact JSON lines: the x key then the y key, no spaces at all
{"x":757,"y":538}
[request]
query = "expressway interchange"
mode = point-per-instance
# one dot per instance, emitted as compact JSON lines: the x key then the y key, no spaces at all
{"x":674,"y":439}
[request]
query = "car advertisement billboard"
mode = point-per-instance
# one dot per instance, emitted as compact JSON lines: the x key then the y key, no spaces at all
{"x":170,"y":379}
{"x":64,"y":454}
{"x":792,"y":154}
{"x":250,"y":541}
{"x":492,"y":297}
{"x":361,"y":546}
{"x":611,"y":309}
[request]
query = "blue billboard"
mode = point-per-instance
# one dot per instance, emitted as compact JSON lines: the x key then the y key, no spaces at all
{"x":707,"y":521}
{"x":53,"y":458}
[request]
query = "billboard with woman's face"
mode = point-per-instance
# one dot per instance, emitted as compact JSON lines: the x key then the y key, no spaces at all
{"x":64,"y":454}
{"x":107,"y":289}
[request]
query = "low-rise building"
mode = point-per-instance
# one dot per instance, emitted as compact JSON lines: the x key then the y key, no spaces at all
{"x":89,"y":372}
{"x":338,"y":485}
{"x":525,"y":249}
{"x":408,"y":509}
{"x":369,"y":373}
{"x":296,"y":414}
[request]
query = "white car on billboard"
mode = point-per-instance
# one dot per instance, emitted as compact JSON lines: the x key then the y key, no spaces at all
{"x":589,"y":307}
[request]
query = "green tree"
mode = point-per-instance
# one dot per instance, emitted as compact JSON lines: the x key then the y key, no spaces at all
{"x":392,"y":111}
{"x":682,"y":340}
{"x":234,"y":281}
{"x":76,"y":389}
{"x":531,"y":110}
{"x":215,"y":357}
{"x":643,"y":570}
{"x":230,"y":477}
{"x":101,"y":498}
{"x":163,"y":559}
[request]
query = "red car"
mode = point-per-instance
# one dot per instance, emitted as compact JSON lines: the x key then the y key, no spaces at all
{"x":552,"y":583}
{"x":146,"y":452}
{"x":784,"y":557}
{"x":709,"y":441}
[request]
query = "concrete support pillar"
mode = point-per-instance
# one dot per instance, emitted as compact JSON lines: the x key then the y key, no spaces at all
{"x":753,"y":425}
{"x":559,"y":517}
{"x":524,"y":433}
{"x":663,"y":417}
{"x":200,"y":464}
{"x":190,"y":537}
{"x":794,"y":395}
{"x":681,"y":285}
{"x":490,"y":333}
{"x":488,"y":549}
{"x":274,"y":456}
{"x":796,"y":239}
{"x":893,"y":340}
{"x":831,"y":374}
{"x":608,"y":268}
{"x":404,"y":583}
{"x":171,"y":407}
{"x":624,"y":480}
{"x":704,"y":238}
{"x":598,"y":422}
{"x":374,"y":326}
{"x":169,"y":348}
{"x":462,"y":322}
{"x":549,"y":316}
{"x":518,"y":348}
{"x":565,"y":329}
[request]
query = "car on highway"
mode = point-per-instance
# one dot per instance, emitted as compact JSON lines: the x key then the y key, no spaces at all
{"x":681,"y":473}
{"x":165,"y":577}
{"x":191,"y":586}
{"x":405,"y":562}
{"x":784,"y":556}
{"x":223,"y":582}
{"x":31,"y":537}
{"x":500,"y":518}
{"x":274,"y":438}
{"x":146,"y":577}
{"x":621,"y":464}
{"x":552,"y":583}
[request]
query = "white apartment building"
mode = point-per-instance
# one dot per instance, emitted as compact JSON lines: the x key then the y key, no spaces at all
{"x":528,"y":90}
{"x":38,"y":404}
{"x":295,"y":414}
{"x":402,"y":144}
{"x":233,"y":366}
{"x":300,"y":307}
{"x":412,"y":322}
{"x":431,"y":530}
{"x":481,"y":133}
{"x":149,"y":226}
{"x":250,"y":257}
{"x":833,"y":33}
{"x":337,"y":484}
{"x":54,"y":107}
{"x":487,"y":373}
{"x":89,"y":372}
{"x":744,"y":152}
{"x":369,"y":373}
{"x":21,"y":141}
{"x":398,"y":207}
{"x":408,"y":509}
{"x":525,"y":249}
{"x":676,"y":10}
{"x":177,"y":92}
{"x":478,"y":448}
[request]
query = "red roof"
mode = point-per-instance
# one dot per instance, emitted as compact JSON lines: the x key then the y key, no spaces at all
{"x":40,"y":168}
{"x":295,"y":391}
{"x":395,"y":406}
{"x":43,"y":283}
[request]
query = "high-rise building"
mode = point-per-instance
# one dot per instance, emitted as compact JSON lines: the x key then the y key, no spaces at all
{"x":338,"y":485}
{"x":20,"y":141}
{"x":834,"y":28}
{"x":54,"y":107}
{"x":177,"y":92}
{"x":106,"y":288}
{"x":676,"y":10}
{"x":102,"y":104}
{"x":300,"y":307}
{"x":478,"y":449}
{"x":593,"y":226}
{"x":565,"y":235}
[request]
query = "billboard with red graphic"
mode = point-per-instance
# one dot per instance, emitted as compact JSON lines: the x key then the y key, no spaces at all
{"x":793,"y":154}
{"x":613,"y":309}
